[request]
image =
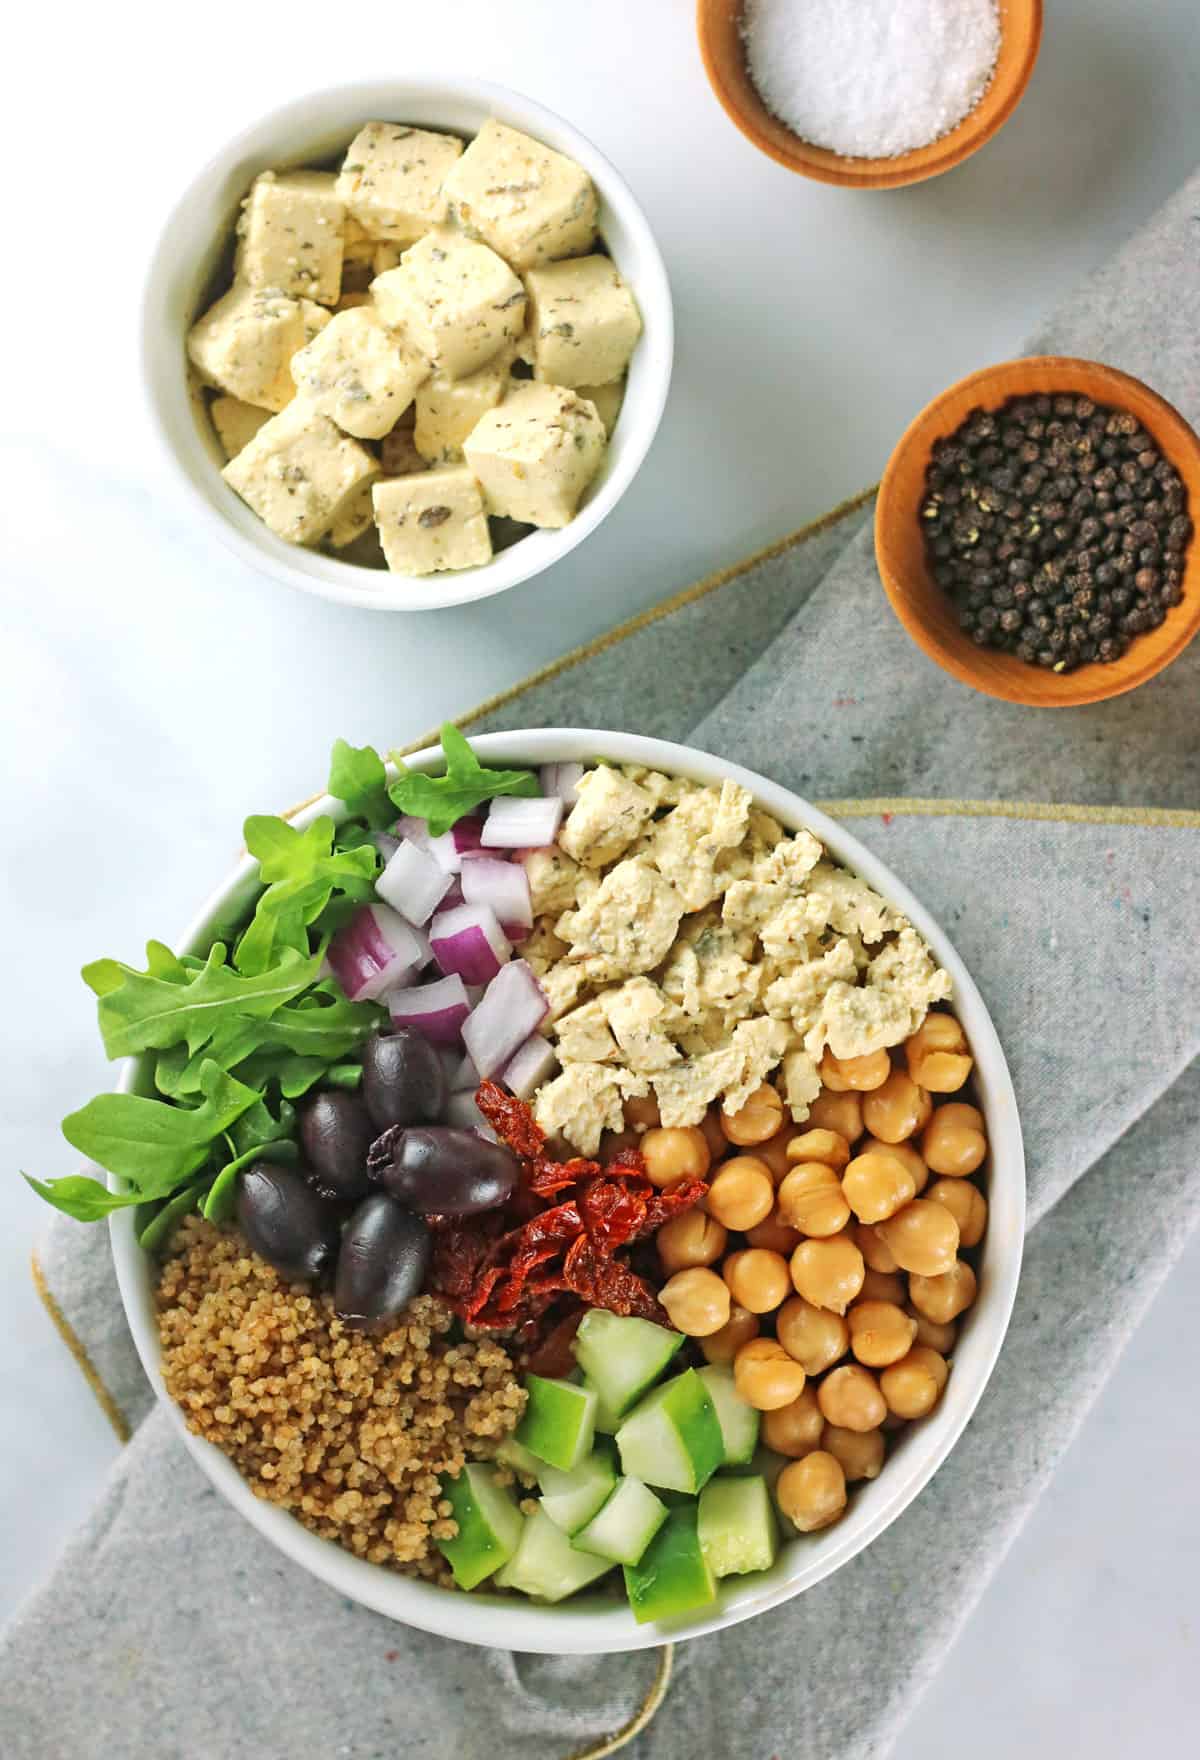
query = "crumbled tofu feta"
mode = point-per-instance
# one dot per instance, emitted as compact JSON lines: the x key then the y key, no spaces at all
{"x":695,"y":846}
{"x":583,"y":321}
{"x":391,"y":179}
{"x":797,"y":993}
{"x":801,"y":1083}
{"x":637,"y":1013}
{"x":458,"y":301}
{"x":542,"y":949}
{"x":607,"y":400}
{"x":584,"y":1037}
{"x":586,"y":1100}
{"x":300,"y":473}
{"x":527,"y":202}
{"x":290,"y":235}
{"x":245,"y":342}
{"x":608,"y":816}
{"x":731,"y":1073}
{"x":536,"y":454}
{"x":448,"y":409}
{"x":357,"y":517}
{"x":553,"y":880}
{"x":562,"y":985}
{"x":629,"y":923}
{"x":839,"y":900}
{"x":236,"y":422}
{"x":431,"y":521}
{"x":359,"y":373}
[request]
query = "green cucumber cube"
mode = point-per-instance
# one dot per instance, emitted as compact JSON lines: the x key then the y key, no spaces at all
{"x":571,"y":1499}
{"x":626,"y":1524}
{"x":739,"y":1422}
{"x":547,"y":1566}
{"x":622,"y":1356}
{"x":513,"y":1454}
{"x":736,"y":1524}
{"x":489,"y":1525}
{"x":608,"y":1422}
{"x":559,"y":1422}
{"x":673,"y":1576}
{"x":673,"y":1438}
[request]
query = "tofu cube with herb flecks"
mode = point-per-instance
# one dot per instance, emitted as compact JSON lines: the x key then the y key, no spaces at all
{"x":583,"y":321}
{"x":236,"y":422}
{"x":448,"y":409}
{"x":290,"y":235}
{"x":458,"y":301}
{"x":536,"y":453}
{"x":245,"y":342}
{"x":359,"y":373}
{"x":528,"y":202}
{"x":432,"y":521}
{"x":391,"y":180}
{"x":300,"y":473}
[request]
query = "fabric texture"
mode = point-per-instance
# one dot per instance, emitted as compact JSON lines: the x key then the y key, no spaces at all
{"x":1076,"y":929}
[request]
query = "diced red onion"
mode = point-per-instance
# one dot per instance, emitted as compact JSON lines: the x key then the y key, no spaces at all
{"x":385,"y":843}
{"x":413,"y":882}
{"x":375,"y":951}
{"x":513,"y":823}
{"x":468,"y":834}
{"x":469,"y":940}
{"x":475,"y":994}
{"x":462,"y":1112}
{"x":449,"y":849}
{"x":532,"y":1065}
{"x":513,"y":1007}
{"x":504,"y":888}
{"x":436,"y":1011}
{"x":464,"y":1078}
{"x":561,"y":780}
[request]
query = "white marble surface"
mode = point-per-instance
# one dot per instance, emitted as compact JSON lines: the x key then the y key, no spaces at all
{"x":153,"y":692}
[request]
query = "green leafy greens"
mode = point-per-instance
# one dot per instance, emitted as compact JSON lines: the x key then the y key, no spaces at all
{"x":443,"y":800}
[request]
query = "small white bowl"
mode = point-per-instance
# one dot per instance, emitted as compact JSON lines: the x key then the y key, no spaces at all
{"x":593,"y":1624}
{"x":315,"y":128}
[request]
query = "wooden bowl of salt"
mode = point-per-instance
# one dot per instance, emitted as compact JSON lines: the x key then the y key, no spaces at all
{"x":807,"y":71}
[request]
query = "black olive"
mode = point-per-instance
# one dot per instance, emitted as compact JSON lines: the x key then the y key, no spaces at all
{"x":403,"y":1079}
{"x":285,"y":1221}
{"x":336,"y":1131}
{"x":444,"y":1172}
{"x":382,"y":1265}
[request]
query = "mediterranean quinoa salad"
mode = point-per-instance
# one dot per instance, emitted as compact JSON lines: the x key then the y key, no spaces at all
{"x":556,"y":1179}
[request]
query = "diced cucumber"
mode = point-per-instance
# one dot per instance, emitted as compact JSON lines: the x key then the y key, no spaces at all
{"x":673,"y":1576}
{"x":622,"y":1356}
{"x":626,"y":1525}
{"x":547,"y":1566}
{"x":736,"y":1524}
{"x":608,"y":1422}
{"x":673,"y":1438}
{"x":739,"y":1422}
{"x":489,"y":1525}
{"x":559,"y":1422}
{"x":514,"y":1454}
{"x":571,"y":1499}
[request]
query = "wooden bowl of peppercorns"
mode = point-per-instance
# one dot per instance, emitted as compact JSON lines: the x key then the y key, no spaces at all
{"x":1034,"y":532}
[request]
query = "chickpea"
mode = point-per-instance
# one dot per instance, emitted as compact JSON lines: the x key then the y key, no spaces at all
{"x":873,"y":1247}
{"x":774,"y":1152}
{"x":938,"y":1056}
{"x":696,"y":1300}
{"x":903,"y":1152}
{"x":613,"y":1142}
{"x":674,"y":1154}
{"x":923,"y":1237}
{"x":794,"y":1430}
{"x":828,"y":1273}
{"x":850,"y":1398}
{"x":714,"y":1136}
{"x":827,"y":1146}
{"x":756,"y":1119}
{"x":944,"y":1298}
{"x":842,"y":1075}
{"x":938,"y":1337}
{"x":913,"y":1386}
{"x":758,"y":1279}
{"x":860,"y":1452}
{"x":765,"y":1376}
{"x":774,"y":1234}
{"x":842,"y":1113}
{"x":811,"y":1493}
{"x":880,"y":1333}
{"x":814,"y":1336}
{"x":741,"y":1193}
{"x":877,"y":1185}
{"x":642,"y":1114}
{"x":811,"y":1200}
{"x":691,"y":1238}
{"x":882,"y":1286}
{"x":897,"y":1110}
{"x":966,"y":1203}
{"x":723,"y":1346}
{"x":955,"y":1142}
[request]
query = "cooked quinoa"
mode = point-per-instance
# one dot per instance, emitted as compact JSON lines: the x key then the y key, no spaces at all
{"x":347,"y":1431}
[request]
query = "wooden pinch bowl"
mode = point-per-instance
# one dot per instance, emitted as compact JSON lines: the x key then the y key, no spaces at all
{"x":719,"y":26}
{"x":923,"y":607}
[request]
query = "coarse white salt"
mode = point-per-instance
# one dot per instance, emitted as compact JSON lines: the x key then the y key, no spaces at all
{"x":871,"y":78}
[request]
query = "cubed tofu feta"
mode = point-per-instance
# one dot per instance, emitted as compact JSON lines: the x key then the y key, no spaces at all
{"x":352,"y":301}
{"x":527,"y":202}
{"x":357,"y":517}
{"x":609,"y":813}
{"x":607,"y":399}
{"x":290,"y":235}
{"x":583,"y":321}
{"x":236,"y":422}
{"x":359,"y":373}
{"x":458,"y":301}
{"x":536,"y":453}
{"x":391,"y":180}
{"x":432,"y":521}
{"x":300,"y":473}
{"x":358,"y":257}
{"x":385,"y":256}
{"x":245,"y":342}
{"x":448,"y":409}
{"x":553,"y":880}
{"x":583,"y":1036}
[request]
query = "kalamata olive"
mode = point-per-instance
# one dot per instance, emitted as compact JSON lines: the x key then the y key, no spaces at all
{"x":285,"y":1221}
{"x":444,"y":1172}
{"x":403,"y":1079}
{"x":382,"y":1264}
{"x":336,"y":1132}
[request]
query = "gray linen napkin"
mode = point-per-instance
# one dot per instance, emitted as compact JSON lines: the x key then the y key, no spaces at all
{"x":1076,"y":925}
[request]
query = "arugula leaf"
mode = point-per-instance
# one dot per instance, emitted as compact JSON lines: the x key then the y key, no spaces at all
{"x":148,"y":1013}
{"x":153,"y":1145}
{"x":443,"y":800}
{"x":318,"y":1028}
{"x":257,"y":1127}
{"x":106,"y":975}
{"x":358,"y":778}
{"x":161,"y":1225}
{"x":344,"y":1075}
{"x":83,"y":1198}
{"x":302,"y":871}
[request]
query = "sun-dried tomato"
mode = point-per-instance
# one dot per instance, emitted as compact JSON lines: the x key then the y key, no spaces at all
{"x":511,"y":1119}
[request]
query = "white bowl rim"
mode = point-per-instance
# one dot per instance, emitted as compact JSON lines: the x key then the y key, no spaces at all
{"x":327,"y":577}
{"x":590,"y":1625}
